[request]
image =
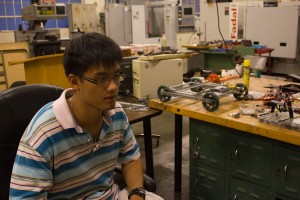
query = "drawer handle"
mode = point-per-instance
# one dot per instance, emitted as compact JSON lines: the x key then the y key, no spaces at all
{"x":195,"y":185}
{"x":285,"y":172}
{"x":236,"y":153}
{"x":196,"y":153}
{"x":235,"y":197}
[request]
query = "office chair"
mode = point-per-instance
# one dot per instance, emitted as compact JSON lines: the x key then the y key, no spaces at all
{"x":18,"y":105}
{"x":17,"y":84}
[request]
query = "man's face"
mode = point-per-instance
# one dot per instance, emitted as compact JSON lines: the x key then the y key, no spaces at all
{"x":101,"y":96}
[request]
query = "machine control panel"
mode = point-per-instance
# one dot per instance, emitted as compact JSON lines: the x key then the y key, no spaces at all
{"x":44,"y":12}
{"x":185,"y":18}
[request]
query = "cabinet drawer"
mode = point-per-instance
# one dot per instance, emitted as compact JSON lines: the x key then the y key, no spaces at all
{"x":286,"y":172}
{"x":243,"y":190}
{"x":206,"y":184}
{"x":249,"y":159}
{"x":207,"y":144}
{"x":278,"y":197}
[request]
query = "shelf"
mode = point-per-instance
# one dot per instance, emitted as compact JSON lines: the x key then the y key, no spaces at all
{"x":165,"y":56}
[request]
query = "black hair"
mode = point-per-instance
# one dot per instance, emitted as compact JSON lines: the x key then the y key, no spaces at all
{"x":90,"y":50}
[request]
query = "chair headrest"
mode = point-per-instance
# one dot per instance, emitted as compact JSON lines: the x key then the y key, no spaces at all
{"x":19,"y":104}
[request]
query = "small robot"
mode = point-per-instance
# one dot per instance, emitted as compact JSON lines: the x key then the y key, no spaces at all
{"x":207,"y":92}
{"x":277,"y":98}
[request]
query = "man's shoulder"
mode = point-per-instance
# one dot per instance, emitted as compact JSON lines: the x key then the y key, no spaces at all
{"x":44,"y":116}
{"x":44,"y":121}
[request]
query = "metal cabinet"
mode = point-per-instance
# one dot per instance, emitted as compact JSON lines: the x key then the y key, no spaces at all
{"x":243,"y":190}
{"x":207,"y":144}
{"x":286,"y":172}
{"x":83,"y":17}
{"x":149,"y":75}
{"x":272,"y":26}
{"x":249,"y":159}
{"x":230,"y":164}
{"x":207,"y":161}
{"x":206,"y":184}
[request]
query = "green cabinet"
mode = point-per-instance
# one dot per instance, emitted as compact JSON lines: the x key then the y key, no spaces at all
{"x":243,"y":190}
{"x":249,"y":159}
{"x":204,"y":184}
{"x":207,"y":145}
{"x":229,"y":164}
{"x":286,"y":172}
{"x":207,"y":161}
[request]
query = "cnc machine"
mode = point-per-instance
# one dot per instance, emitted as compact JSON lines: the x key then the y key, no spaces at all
{"x":41,"y":42}
{"x":145,"y":24}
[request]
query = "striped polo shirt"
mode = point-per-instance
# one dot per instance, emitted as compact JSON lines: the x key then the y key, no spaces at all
{"x":57,"y":159}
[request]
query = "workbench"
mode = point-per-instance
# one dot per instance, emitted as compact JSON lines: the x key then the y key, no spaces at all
{"x":235,"y":158}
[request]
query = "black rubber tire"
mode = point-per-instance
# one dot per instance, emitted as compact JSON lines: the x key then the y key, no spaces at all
{"x":196,"y":89}
{"x":163,"y":98}
{"x":214,"y":105}
{"x":242,"y":91}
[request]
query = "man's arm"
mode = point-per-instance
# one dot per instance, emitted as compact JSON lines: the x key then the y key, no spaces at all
{"x":31,"y":175}
{"x":134,"y":176}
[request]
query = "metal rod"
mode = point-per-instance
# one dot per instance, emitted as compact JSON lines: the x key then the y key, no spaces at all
{"x":131,"y":104}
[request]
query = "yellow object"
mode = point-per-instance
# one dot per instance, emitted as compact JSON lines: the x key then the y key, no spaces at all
{"x":247,"y":63}
{"x":246,"y":74}
{"x":47,"y":69}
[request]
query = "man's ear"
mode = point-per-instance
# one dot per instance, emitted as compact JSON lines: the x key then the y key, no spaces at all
{"x":74,"y":81}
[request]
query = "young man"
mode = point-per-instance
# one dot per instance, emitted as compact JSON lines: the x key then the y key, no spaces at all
{"x":72,"y":145}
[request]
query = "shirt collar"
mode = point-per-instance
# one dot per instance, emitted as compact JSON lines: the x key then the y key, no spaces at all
{"x":65,"y":117}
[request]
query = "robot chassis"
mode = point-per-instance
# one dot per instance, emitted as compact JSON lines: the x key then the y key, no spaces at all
{"x":207,"y":92}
